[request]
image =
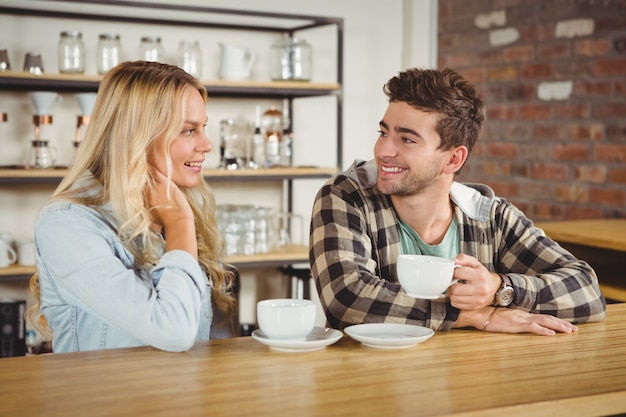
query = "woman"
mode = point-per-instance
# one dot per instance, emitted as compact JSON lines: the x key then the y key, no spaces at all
{"x":128,"y":251}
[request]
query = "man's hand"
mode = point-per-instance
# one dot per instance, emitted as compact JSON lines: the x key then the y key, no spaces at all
{"x":478,"y":286}
{"x":509,"y":320}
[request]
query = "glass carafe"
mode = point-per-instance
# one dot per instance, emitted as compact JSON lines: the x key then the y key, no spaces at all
{"x":41,"y":155}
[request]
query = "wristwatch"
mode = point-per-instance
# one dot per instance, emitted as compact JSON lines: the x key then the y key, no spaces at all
{"x":505,"y":295}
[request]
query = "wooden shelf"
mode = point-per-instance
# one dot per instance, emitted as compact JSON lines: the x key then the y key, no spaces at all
{"x":277,"y":173}
{"x":24,"y":81}
{"x":287,"y":256}
{"x":16,"y":272}
{"x":13,"y":175}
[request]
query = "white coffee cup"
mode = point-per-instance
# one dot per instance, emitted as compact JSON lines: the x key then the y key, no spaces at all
{"x":7,"y":254}
{"x":423,"y":276}
{"x":286,"y":318}
{"x":25,"y":251}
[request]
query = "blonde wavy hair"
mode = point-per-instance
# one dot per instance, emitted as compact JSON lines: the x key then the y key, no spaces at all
{"x":137,"y":103}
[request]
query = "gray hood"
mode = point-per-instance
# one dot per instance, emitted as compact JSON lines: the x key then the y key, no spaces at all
{"x":475,"y":200}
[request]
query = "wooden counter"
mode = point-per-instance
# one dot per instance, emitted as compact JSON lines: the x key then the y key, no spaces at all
{"x":456,"y":373}
{"x":602,"y":243}
{"x":599,"y":233}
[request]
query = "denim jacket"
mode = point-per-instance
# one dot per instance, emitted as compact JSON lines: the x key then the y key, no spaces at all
{"x":94,"y":297}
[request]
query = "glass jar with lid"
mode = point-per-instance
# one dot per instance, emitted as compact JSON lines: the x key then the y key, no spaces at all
{"x":190,"y":57}
{"x":109,"y":52}
{"x":150,"y":49}
{"x":71,"y":52}
{"x":291,"y":59}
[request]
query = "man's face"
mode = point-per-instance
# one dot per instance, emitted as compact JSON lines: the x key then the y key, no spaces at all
{"x":406,"y":151}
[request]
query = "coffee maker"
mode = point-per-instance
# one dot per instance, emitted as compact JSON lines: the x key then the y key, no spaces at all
{"x":86,"y":102}
{"x":41,"y":155}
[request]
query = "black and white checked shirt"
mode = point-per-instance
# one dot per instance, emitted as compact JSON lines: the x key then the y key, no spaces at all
{"x":354,"y":244}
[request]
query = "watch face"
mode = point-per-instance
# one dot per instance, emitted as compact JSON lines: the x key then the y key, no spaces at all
{"x":505,"y":296}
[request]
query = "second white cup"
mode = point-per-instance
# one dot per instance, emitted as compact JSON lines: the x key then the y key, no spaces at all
{"x":25,"y":251}
{"x":286,"y":318}
{"x":423,"y":276}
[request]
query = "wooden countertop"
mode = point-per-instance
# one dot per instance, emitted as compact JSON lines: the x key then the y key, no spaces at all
{"x":456,"y":373}
{"x":599,"y":233}
{"x":602,"y":243}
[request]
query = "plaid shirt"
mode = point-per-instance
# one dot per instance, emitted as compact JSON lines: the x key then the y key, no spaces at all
{"x":354,"y":244}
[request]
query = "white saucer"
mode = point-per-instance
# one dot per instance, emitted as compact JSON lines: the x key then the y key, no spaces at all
{"x":318,"y":339}
{"x":389,"y":335}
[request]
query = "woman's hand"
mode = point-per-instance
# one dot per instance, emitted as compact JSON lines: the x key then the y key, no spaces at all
{"x":173,"y":212}
{"x":168,"y":203}
{"x":478,"y":286}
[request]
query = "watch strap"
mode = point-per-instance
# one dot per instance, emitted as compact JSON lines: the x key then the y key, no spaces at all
{"x":506,"y":281}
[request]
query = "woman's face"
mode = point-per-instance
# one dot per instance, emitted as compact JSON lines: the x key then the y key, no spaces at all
{"x":187,"y":150}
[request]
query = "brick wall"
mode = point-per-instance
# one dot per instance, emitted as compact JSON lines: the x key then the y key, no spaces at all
{"x":553,"y":77}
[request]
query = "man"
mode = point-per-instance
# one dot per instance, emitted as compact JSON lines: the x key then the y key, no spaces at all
{"x":406,"y":200}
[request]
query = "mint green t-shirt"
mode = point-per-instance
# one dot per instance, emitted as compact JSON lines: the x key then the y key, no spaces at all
{"x":412,"y":243}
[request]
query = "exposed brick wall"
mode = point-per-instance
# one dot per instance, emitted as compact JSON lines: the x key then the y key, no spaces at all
{"x":553,"y":77}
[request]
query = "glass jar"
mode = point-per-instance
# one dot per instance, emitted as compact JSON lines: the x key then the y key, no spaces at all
{"x":109,"y":52}
{"x":286,"y":145}
{"x":151,"y":49}
{"x":190,"y":58}
{"x":291,"y":59}
{"x":71,"y":52}
{"x":235,"y":143}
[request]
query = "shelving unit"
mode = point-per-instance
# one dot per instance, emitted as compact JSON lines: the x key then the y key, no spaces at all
{"x":187,"y":16}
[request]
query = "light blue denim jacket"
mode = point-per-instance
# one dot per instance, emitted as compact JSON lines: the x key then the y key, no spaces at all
{"x":94,"y":297}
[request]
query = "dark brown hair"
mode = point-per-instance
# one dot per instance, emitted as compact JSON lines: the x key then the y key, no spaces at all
{"x":446,"y":93}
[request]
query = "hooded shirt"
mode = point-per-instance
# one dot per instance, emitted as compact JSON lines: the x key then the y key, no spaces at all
{"x":355,"y":242}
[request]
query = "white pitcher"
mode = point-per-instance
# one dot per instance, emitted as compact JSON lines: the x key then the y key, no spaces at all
{"x":7,"y":254}
{"x":236,"y":62}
